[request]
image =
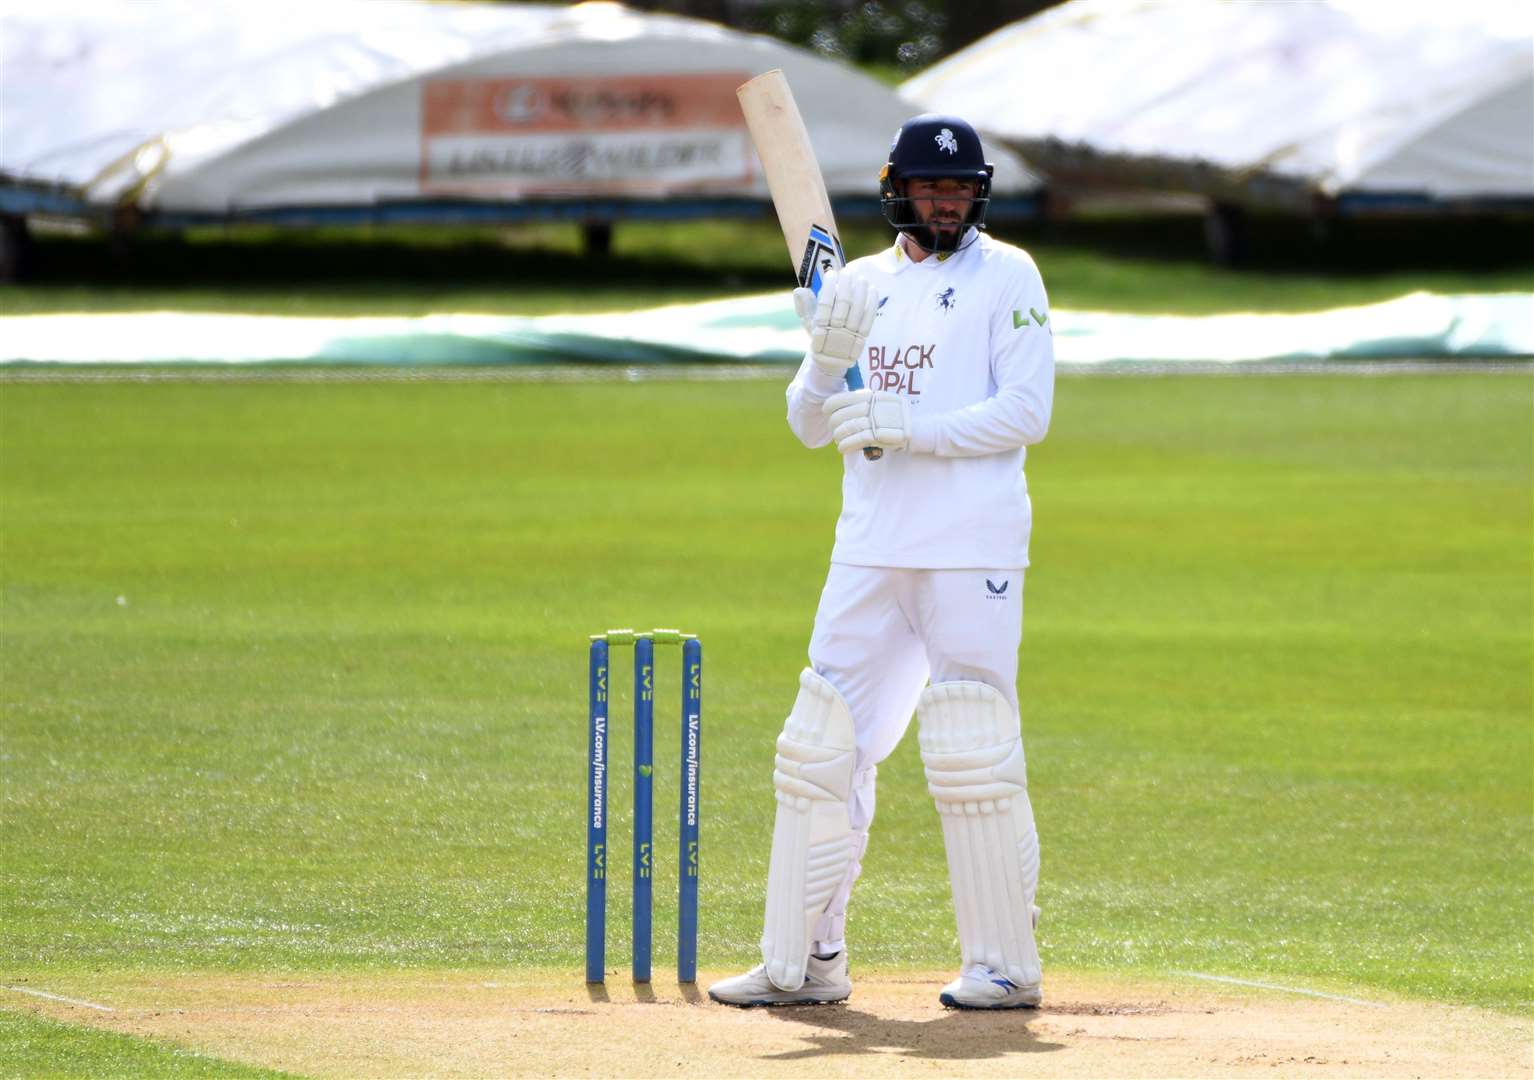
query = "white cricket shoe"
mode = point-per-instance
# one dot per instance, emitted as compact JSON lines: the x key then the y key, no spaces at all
{"x":824,"y":981}
{"x":979,"y":987}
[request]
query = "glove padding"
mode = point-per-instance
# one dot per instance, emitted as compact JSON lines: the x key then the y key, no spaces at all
{"x":838,"y":320}
{"x":862,"y":418}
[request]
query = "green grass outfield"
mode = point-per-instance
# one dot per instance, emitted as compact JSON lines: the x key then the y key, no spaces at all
{"x":36,"y":1046}
{"x":294,"y":675}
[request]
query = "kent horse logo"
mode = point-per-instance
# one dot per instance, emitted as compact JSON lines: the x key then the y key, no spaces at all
{"x":946,"y":142}
{"x":945,"y":299}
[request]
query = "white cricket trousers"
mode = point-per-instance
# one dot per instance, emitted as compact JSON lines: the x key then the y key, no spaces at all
{"x":880,"y":634}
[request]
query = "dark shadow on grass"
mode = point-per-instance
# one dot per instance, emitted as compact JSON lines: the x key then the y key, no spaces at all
{"x":954,"y":1036}
{"x":415,"y":271}
{"x":359,"y":264}
{"x":742,"y":255}
{"x":1280,"y":243}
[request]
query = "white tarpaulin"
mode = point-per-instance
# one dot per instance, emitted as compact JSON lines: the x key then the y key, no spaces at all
{"x":763,"y":329}
{"x":218,"y":106}
{"x":1346,"y":95}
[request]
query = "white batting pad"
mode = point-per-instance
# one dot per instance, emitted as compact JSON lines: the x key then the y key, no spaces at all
{"x":830,"y":929}
{"x":811,"y":839}
{"x":972,"y":748}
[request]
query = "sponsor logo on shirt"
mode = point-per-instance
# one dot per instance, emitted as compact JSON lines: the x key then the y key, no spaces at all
{"x":882,"y":301}
{"x":896,"y":367}
{"x":995,"y":591}
{"x":1019,"y":320}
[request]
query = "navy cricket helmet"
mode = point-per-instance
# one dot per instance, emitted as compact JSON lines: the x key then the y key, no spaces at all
{"x":934,"y":147}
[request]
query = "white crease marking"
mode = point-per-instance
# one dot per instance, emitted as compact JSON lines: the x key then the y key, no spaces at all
{"x":1285,"y":989}
{"x":59,"y":997}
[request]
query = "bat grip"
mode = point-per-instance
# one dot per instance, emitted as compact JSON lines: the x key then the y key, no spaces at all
{"x":855,"y":382}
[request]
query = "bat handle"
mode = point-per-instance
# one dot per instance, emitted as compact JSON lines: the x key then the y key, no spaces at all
{"x":855,"y":382}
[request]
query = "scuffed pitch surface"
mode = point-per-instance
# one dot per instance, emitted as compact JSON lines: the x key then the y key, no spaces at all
{"x":550,"y":1024}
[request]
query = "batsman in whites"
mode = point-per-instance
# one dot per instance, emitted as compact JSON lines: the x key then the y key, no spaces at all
{"x":923,"y":603}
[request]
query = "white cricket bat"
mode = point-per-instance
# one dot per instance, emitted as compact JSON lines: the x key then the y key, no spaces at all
{"x":798,"y":190}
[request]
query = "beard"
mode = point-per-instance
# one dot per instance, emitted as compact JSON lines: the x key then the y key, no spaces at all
{"x":940,"y":234}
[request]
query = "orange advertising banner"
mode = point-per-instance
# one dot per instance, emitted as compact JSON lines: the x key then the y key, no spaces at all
{"x":610,"y":103}
{"x":625,"y":134}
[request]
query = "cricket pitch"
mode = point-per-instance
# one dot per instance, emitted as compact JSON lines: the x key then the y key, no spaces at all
{"x":549,"y":1023}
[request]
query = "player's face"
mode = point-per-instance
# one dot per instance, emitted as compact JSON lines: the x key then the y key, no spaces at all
{"x":942,"y":203}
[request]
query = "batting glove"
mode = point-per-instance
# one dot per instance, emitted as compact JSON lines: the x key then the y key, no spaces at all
{"x":860,"y":418}
{"x":838,"y":320}
{"x":804,"y":306}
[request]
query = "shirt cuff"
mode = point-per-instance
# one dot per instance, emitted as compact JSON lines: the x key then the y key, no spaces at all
{"x":822,"y":385}
{"x":923,"y":435}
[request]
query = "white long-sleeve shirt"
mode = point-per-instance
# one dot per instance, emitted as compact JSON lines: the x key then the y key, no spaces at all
{"x":967,"y":340}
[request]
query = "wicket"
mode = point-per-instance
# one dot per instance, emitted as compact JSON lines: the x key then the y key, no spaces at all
{"x":644,"y":643}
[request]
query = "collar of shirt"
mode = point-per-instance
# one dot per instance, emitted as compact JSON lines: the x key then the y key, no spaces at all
{"x":932,"y":262}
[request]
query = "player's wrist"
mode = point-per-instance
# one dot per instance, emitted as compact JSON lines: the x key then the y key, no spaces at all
{"x":823,"y":380}
{"x":923,"y":435}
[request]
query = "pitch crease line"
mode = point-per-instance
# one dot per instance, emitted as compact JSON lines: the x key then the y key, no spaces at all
{"x":1285,"y":989}
{"x":59,"y":997}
